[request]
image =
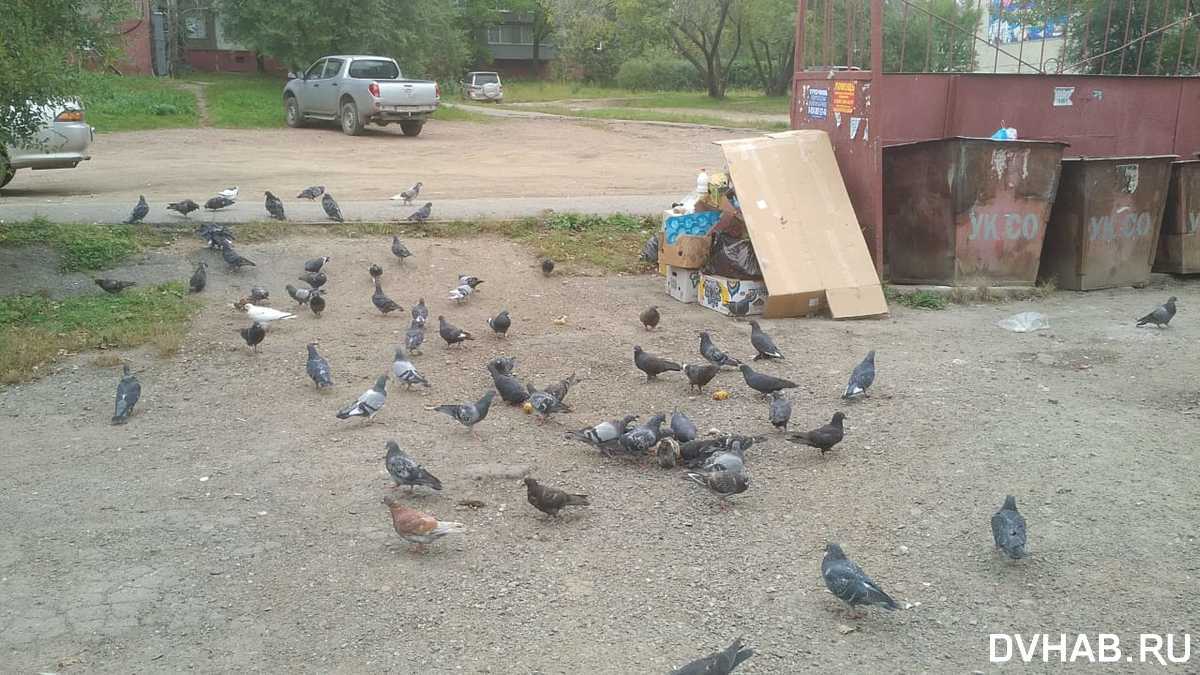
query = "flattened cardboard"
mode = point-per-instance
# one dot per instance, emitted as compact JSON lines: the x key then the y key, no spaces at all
{"x":804,"y":230}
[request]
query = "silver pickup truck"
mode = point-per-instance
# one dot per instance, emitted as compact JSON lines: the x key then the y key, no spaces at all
{"x":357,"y":91}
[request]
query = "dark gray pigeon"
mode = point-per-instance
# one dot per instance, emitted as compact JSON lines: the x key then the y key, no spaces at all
{"x":667,"y":453}
{"x":414,"y":337}
{"x":217,"y":236}
{"x":274,"y":206}
{"x":422,"y":214}
{"x":510,"y":388}
{"x":140,"y":211}
{"x":650,"y":317}
{"x":129,"y":390}
{"x":545,"y":403}
{"x":113,"y":285}
{"x":318,"y":368}
{"x":199,"y":278}
{"x":504,"y":364}
{"x":781,"y":411}
{"x":311,"y":193}
{"x":763,"y":383}
{"x":253,"y":335}
{"x":652,"y":365}
{"x":1161,"y":316}
{"x":469,"y":414}
{"x":1008,"y":529}
{"x":560,"y":389}
{"x":452,"y":334}
{"x":405,"y":471}
{"x":700,"y":452}
{"x":316,"y":264}
{"x":405,"y":371}
{"x":420,"y":313}
{"x":718,"y":663}
{"x":331,"y":208}
{"x":375,"y":271}
{"x":219,"y":202}
{"x":550,"y":500}
{"x":650,"y":249}
{"x":822,"y":438}
{"x":849,"y":583}
{"x":699,"y":375}
{"x":301,"y":295}
{"x":399,"y":249}
{"x":314,"y":279}
{"x":369,"y":403}
{"x":763,"y":344}
{"x":259,"y":294}
{"x":382,"y":302}
{"x":682,"y":428}
{"x":862,"y":377}
{"x":714,"y":355}
{"x":183,"y":207}
{"x":316,"y":303}
{"x":500,"y":323}
{"x":605,"y":435}
{"x":547,"y":267}
{"x":640,"y":439}
{"x":233,"y":259}
{"x":724,"y":483}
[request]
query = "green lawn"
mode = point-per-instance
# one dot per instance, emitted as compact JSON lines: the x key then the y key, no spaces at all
{"x":237,"y":101}
{"x":83,"y":246}
{"x":652,"y":115}
{"x":134,"y":103}
{"x":536,"y":91}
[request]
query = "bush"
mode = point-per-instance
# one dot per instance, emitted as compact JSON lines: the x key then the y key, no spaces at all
{"x":658,"y":73}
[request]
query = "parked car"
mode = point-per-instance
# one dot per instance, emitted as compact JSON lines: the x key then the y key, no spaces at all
{"x":357,"y":91}
{"x":61,"y":143}
{"x":483,"y":86}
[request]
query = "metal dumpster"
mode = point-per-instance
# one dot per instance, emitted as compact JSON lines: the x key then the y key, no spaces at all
{"x":1103,"y":230}
{"x":1179,"y":243}
{"x":968,"y":211}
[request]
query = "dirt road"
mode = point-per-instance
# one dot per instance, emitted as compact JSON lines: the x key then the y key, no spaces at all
{"x":234,"y":525}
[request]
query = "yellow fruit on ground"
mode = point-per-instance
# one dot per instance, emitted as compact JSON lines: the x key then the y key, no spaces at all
{"x":720,"y":395}
{"x":527,"y":407}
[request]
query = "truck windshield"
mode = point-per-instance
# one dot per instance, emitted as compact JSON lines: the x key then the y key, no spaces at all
{"x":374,"y":69}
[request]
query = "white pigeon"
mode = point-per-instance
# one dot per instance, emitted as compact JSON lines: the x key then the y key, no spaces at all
{"x":229,"y":192}
{"x":369,"y":403}
{"x":263,"y":315}
{"x":461,"y":293}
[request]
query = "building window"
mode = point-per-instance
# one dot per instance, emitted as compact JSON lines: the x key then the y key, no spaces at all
{"x":511,"y":34}
{"x":493,"y":35}
{"x":196,"y":25}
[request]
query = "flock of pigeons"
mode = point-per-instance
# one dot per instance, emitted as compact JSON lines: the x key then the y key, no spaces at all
{"x":274,"y":205}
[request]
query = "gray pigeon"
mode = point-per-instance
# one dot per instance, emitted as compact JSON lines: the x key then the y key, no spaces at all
{"x":560,"y":389}
{"x":331,"y":208}
{"x":723,"y":483}
{"x":667,"y":453}
{"x":849,"y":583}
{"x":382,"y":302}
{"x":183,"y":207}
{"x":233,"y":259}
{"x":469,"y":414}
{"x":726,"y":460}
{"x":422,"y":214}
{"x":551,"y":500}
{"x":407,"y":196}
{"x":317,"y":303}
{"x":650,"y":317}
{"x":781,"y":411}
{"x":199,"y":278}
{"x":274,"y":206}
{"x":650,"y":249}
{"x":253,"y":335}
{"x":510,"y":388}
{"x":718,"y":663}
{"x":413,"y":337}
{"x":452,"y":334}
{"x":1161,"y":316}
{"x":640,"y":439}
{"x":113,"y":285}
{"x":219,"y":202}
{"x":405,"y":471}
{"x":375,"y":271}
{"x":763,"y":383}
{"x":547,"y":267}
{"x":604,"y":435}
{"x":217,"y":236}
{"x":129,"y":390}
{"x":500,"y":323}
{"x":822,"y":438}
{"x":314,"y":279}
{"x":318,"y":368}
{"x":399,"y":249}
{"x":682,"y":428}
{"x":140,"y":211}
{"x":700,"y":375}
{"x":316,"y":264}
{"x":862,"y":377}
{"x":259,"y":294}
{"x":763,"y":344}
{"x":652,"y":365}
{"x":369,"y":403}
{"x":420,"y":313}
{"x":1008,"y":529}
{"x":504,"y":364}
{"x":545,"y":403}
{"x":405,"y":371}
{"x":701,"y":452}
{"x":713,"y":355}
{"x":311,"y":193}
{"x":301,"y":295}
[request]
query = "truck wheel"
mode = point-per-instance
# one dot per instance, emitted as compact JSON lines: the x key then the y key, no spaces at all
{"x":351,"y":123}
{"x":291,"y":108}
{"x":6,"y":170}
{"x":412,"y":128}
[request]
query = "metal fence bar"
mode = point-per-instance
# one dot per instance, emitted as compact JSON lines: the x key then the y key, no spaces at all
{"x":1145,"y":25}
{"x":1020,"y":46}
{"x":929,"y":36}
{"x":1156,"y":31}
{"x":1162,"y":52}
{"x":849,"y":12}
{"x":1042,"y":53}
{"x":1196,"y":56}
{"x":1087,"y":32}
{"x":999,"y":22}
{"x":1182,"y":33}
{"x":1066,"y":34}
{"x":1107,"y":27}
{"x":903,"y":34}
{"x":1125,"y":39}
{"x":827,"y":52}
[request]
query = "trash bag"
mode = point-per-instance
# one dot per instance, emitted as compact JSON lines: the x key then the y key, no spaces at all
{"x":1025,"y":322}
{"x":650,"y":249}
{"x":732,"y":257}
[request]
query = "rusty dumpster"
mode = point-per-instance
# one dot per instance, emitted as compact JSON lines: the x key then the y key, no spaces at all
{"x":1103,"y":230}
{"x":968,"y":211}
{"x":1179,"y":243}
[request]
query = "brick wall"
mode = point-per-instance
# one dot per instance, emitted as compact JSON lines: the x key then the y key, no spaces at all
{"x":133,"y":37}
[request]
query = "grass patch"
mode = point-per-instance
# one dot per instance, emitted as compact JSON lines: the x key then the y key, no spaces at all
{"x":651,"y":115}
{"x":36,"y":331}
{"x":135,"y":103}
{"x":741,"y":100}
{"x":240,"y":101}
{"x":917,"y":299}
{"x":455,"y":113}
{"x":82,"y":247}
{"x":536,"y":91}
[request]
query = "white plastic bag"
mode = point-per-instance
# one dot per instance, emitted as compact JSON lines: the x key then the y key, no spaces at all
{"x":1025,"y":322}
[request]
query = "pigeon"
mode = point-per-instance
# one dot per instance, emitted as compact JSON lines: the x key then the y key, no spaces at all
{"x":316,"y":264}
{"x":199,"y":278}
{"x":717,"y":663}
{"x":263,"y":315}
{"x":375,"y":271}
{"x":274,"y":206}
{"x":723,"y":483}
{"x":544,"y":403}
{"x":725,"y":460}
{"x":701,"y":452}
{"x":301,"y":295}
{"x":511,"y":390}
{"x":667,"y":453}
{"x":382,"y":302}
{"x":861,"y":378}
{"x":682,"y":428}
{"x":764,"y":384}
{"x":140,"y":211}
{"x":405,"y":371}
{"x":129,"y":390}
{"x":419,"y":528}
{"x":331,"y":208}
{"x":318,"y":368}
{"x":369,"y":403}
{"x":500,"y":323}
{"x":253,"y":335}
{"x":713,"y":355}
{"x":317,"y":304}
{"x":605,"y":435}
{"x":650,"y":317}
{"x":183,"y":207}
{"x":640,"y":439}
{"x":452,"y":334}
{"x":422,"y":214}
{"x":399,"y":249}
{"x":470,"y":280}
{"x":469,"y":414}
{"x":504,"y":364}
{"x":229,"y":193}
{"x":258,"y":293}
{"x":233,"y":259}
{"x":408,"y":195}
{"x":849,"y":583}
{"x":650,"y":249}
{"x":413,"y":337}
{"x":216,"y":236}
{"x":1008,"y":529}
{"x":763,"y":344}
{"x":560,"y":389}
{"x":420,"y":313}
{"x":823,"y":438}
{"x":740,"y":307}
{"x":652,"y":365}
{"x":550,"y":500}
{"x":1161,"y":316}
{"x":217,"y":203}
{"x":314,"y":279}
{"x":311,"y":193}
{"x":113,"y":286}
{"x":405,"y":471}
{"x":781,"y":411}
{"x":700,"y":375}
{"x":460,"y":293}
{"x":547,"y":267}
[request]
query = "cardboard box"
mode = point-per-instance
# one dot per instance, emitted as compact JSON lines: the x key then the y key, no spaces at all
{"x":682,"y":283}
{"x":687,"y":251}
{"x":662,"y":259}
{"x":732,"y":297}
{"x":731,"y":221}
{"x":804,"y":229}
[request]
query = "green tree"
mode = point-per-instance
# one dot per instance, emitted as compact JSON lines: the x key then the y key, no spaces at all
{"x":42,"y":46}
{"x":770,"y":34}
{"x":589,"y":46}
{"x":542,"y":14}
{"x":708,"y":33}
{"x":1169,"y":48}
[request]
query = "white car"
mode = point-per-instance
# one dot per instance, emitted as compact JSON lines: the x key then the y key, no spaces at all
{"x":483,"y":86}
{"x":61,"y":143}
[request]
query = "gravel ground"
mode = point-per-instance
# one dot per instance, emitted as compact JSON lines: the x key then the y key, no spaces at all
{"x":234,"y":525}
